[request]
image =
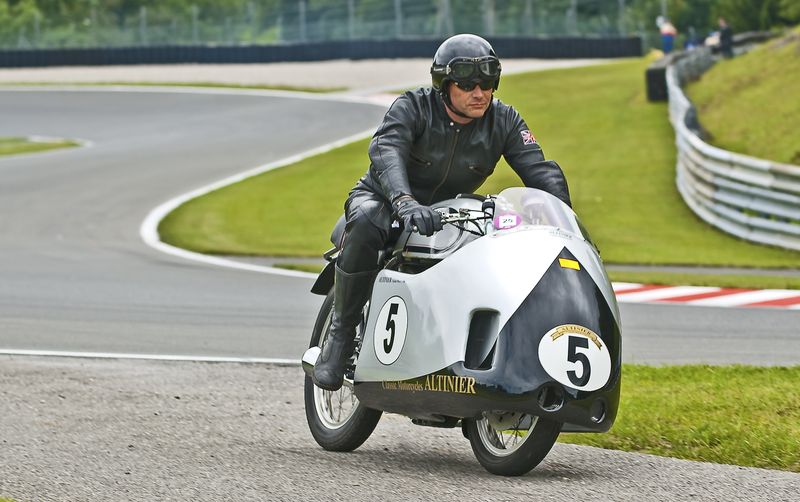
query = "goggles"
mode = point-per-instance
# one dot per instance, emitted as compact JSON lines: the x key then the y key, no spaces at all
{"x":482,"y":68}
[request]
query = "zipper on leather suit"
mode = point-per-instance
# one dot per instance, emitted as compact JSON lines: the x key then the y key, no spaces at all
{"x":449,"y":164}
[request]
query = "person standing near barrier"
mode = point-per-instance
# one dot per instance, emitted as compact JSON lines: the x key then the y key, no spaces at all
{"x":725,"y":38}
{"x":668,"y":34}
{"x":433,"y":144}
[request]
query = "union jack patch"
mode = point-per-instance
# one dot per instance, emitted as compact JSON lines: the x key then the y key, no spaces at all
{"x":527,"y":137}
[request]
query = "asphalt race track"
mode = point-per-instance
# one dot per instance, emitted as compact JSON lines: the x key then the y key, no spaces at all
{"x":75,"y":276}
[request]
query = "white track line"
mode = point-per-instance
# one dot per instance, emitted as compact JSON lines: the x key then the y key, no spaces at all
{"x":149,"y":228}
{"x":150,"y":357}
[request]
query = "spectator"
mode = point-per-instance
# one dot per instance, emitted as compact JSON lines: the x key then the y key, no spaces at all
{"x":725,"y":38}
{"x":668,"y":32}
{"x":691,"y":39}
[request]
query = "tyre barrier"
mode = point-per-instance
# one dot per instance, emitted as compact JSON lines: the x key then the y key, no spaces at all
{"x":754,"y":199}
{"x":506,"y":47}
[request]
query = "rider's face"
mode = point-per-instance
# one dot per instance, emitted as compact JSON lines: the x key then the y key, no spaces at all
{"x":472,"y":103}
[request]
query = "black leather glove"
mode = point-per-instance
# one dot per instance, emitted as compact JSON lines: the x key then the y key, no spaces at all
{"x":427,"y":220}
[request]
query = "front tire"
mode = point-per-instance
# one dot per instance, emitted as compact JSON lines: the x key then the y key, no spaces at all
{"x":337,"y":420}
{"x":510,"y":444}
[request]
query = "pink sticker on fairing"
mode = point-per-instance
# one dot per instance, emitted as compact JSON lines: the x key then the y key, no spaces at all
{"x":506,"y":221}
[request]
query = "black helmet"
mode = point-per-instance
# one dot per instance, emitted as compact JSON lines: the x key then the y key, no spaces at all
{"x":467,"y":59}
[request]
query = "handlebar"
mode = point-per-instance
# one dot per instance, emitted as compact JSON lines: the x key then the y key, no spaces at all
{"x":462,"y":216}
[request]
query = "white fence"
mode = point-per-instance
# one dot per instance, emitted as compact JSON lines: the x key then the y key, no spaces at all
{"x":751,"y":198}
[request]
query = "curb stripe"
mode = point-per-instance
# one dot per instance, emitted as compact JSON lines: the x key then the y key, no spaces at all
{"x":783,"y":302}
{"x":640,"y":289}
{"x":620,"y":287}
{"x":706,"y":296}
{"x":743,"y":298}
{"x":661,"y":293}
{"x":702,"y":295}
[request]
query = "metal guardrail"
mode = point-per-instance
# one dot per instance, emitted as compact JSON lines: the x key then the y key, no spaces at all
{"x":751,"y":198}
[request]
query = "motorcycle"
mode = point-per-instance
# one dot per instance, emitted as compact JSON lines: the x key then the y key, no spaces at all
{"x":503,"y":323}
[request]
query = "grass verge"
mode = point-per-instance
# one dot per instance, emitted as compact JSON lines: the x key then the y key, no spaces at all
{"x":184,"y":84}
{"x":616,"y":148}
{"x":746,"y":105}
{"x":13,"y":146}
{"x":739,"y":415}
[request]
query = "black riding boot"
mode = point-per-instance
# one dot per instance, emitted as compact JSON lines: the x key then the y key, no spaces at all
{"x":351,"y":292}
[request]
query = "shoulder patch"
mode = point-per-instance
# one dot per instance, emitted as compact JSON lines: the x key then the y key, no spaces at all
{"x":527,"y":137}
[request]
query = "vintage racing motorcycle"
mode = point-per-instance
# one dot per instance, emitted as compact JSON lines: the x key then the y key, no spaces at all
{"x":504,"y":323}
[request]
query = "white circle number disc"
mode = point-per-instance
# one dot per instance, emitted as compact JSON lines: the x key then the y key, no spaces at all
{"x":390,"y":330}
{"x":576,"y":357}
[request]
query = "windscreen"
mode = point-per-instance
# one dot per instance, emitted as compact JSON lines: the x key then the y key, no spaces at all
{"x":527,"y":206}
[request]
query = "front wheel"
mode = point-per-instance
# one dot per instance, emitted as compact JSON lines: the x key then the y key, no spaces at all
{"x":511,"y":444}
{"x":337,"y":420}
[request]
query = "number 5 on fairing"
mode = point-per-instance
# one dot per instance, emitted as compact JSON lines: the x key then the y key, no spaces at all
{"x":576,"y":357}
{"x":387,"y":344}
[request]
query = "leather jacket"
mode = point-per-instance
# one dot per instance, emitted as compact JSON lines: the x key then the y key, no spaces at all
{"x":418,"y":150}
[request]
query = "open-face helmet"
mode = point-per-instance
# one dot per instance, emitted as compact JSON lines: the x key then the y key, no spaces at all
{"x":467,"y":60}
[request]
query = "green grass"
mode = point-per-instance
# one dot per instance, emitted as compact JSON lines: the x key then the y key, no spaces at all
{"x":750,"y":104}
{"x":739,"y":415}
{"x":240,"y":219}
{"x":616,"y":148}
{"x":717,"y":280}
{"x":13,"y":146}
{"x":185,"y":84}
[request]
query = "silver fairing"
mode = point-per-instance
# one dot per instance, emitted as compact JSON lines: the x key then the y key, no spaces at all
{"x":426,"y":323}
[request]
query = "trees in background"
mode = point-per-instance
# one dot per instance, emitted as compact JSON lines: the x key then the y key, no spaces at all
{"x":61,"y":23}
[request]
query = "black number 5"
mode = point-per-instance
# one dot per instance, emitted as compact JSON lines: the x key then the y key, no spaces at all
{"x":387,"y":344}
{"x":574,"y":356}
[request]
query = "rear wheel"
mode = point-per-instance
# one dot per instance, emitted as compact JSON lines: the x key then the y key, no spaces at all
{"x":511,"y":444}
{"x":337,"y":419}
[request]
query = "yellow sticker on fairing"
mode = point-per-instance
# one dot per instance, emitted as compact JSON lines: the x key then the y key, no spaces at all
{"x":565,"y":263}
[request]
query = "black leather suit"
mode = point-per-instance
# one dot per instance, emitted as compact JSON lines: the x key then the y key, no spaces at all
{"x":418,"y":150}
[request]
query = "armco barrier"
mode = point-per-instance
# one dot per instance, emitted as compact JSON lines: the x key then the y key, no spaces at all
{"x":754,"y":199}
{"x":506,"y":47}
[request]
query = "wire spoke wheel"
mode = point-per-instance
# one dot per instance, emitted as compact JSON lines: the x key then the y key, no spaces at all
{"x":506,"y":440}
{"x":337,"y":419}
{"x":335,"y":408}
{"x":511,"y":443}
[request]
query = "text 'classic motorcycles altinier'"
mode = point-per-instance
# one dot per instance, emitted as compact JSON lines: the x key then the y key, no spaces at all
{"x":503,"y":323}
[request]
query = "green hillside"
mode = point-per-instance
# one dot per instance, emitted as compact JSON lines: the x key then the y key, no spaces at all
{"x":751,"y":104}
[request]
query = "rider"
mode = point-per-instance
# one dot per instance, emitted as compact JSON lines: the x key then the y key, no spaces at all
{"x":433,"y":144}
